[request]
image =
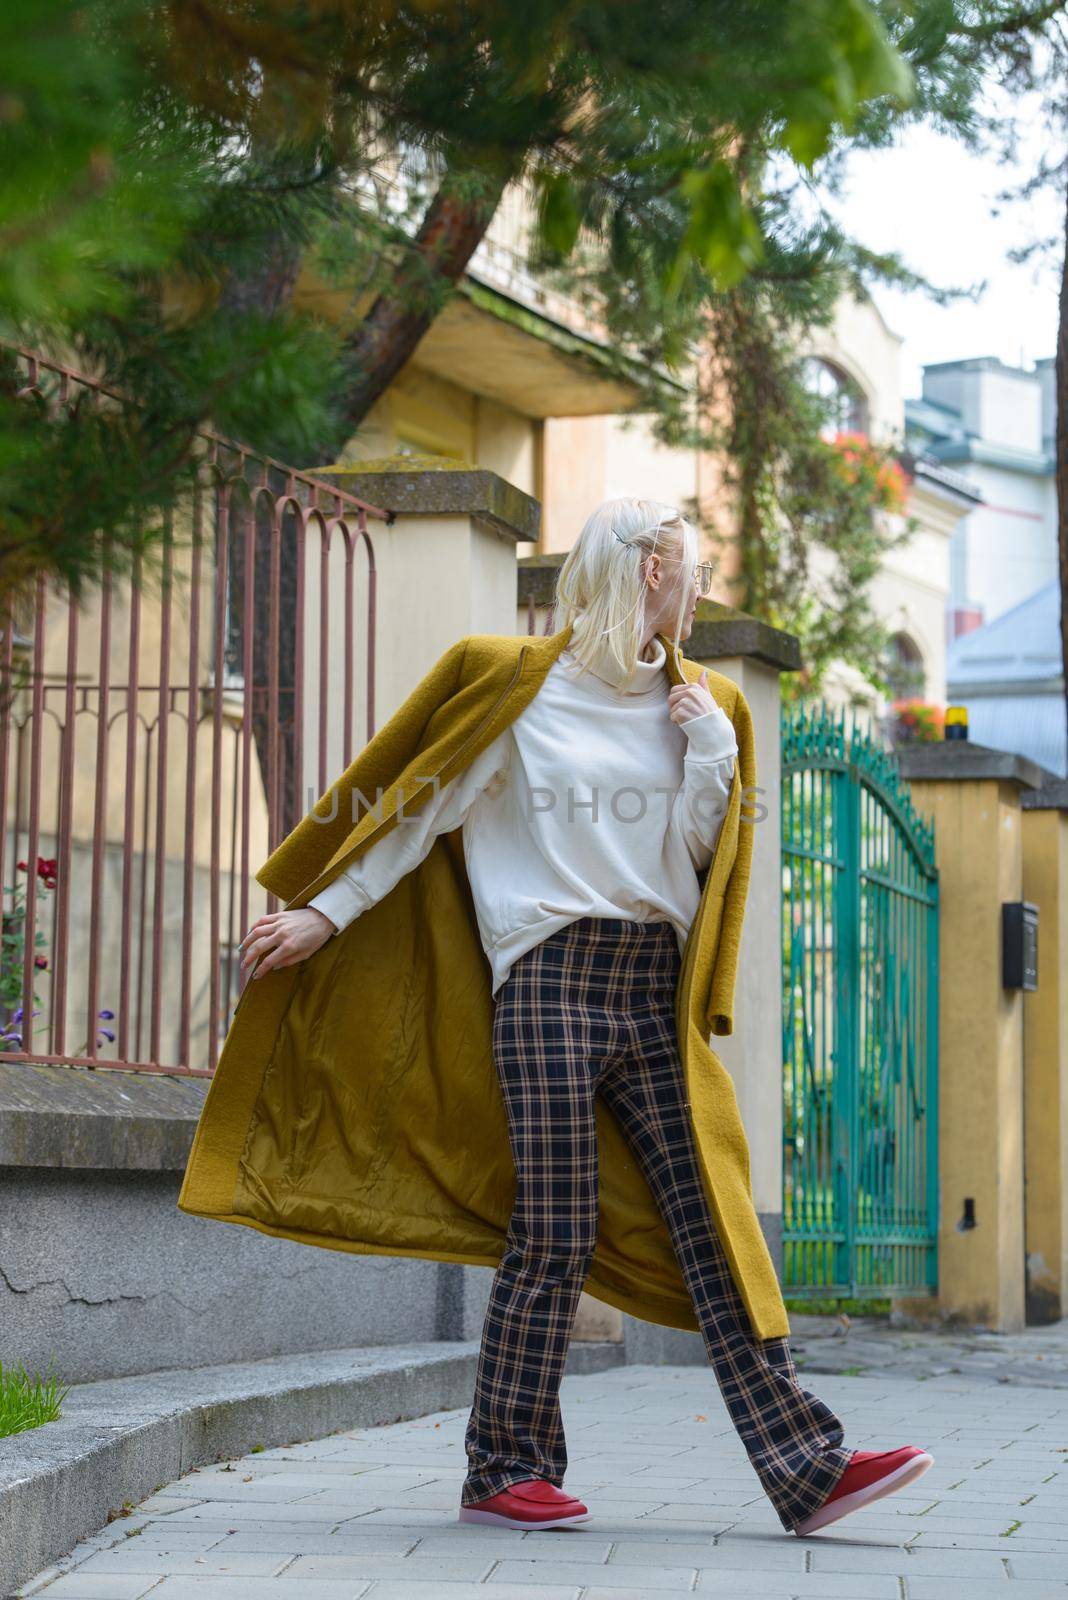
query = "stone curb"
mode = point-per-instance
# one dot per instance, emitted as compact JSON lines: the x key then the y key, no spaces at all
{"x":119,"y":1439}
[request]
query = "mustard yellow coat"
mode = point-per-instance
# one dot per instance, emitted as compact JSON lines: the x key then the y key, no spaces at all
{"x":356,"y":1105}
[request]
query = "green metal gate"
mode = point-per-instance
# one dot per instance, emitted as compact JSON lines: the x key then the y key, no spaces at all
{"x":860,"y":1018}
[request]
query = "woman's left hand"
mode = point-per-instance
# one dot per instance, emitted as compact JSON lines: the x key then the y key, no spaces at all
{"x":686,"y":700}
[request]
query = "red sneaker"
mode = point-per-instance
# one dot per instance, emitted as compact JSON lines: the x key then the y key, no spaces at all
{"x":869,"y":1475}
{"x":532,"y":1503}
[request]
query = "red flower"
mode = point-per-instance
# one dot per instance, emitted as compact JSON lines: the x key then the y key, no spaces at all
{"x":41,"y":963}
{"x":859,"y":456}
{"x":47,"y":870}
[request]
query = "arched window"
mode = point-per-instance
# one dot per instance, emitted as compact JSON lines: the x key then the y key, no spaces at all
{"x":846,"y":400}
{"x":904,"y":669}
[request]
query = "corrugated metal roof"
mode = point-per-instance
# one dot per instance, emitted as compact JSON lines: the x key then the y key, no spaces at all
{"x":1029,"y":725}
{"x":1009,"y":675}
{"x":1023,"y":644}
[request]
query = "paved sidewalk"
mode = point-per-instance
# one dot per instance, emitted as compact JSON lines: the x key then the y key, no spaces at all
{"x":676,"y":1508}
{"x":1036,"y":1356}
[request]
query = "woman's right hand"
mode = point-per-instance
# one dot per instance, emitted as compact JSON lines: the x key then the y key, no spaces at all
{"x":283,"y":938}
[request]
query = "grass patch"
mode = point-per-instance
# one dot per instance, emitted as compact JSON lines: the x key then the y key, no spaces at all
{"x":27,"y":1402}
{"x":835,"y":1308}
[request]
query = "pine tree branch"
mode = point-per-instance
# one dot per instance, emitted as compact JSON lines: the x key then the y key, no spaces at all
{"x":451,"y":230}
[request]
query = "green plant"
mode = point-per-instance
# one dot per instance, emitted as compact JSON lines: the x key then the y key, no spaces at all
{"x":836,"y":1308}
{"x":27,"y":1402}
{"x":13,"y":1026}
{"x":15,"y":1031}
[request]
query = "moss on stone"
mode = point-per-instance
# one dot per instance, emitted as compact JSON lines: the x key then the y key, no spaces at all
{"x":401,"y":463}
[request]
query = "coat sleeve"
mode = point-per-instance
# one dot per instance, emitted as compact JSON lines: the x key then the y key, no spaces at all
{"x":373,"y":874}
{"x":302,"y":853}
{"x":708,"y":767}
{"x":720,"y":1013}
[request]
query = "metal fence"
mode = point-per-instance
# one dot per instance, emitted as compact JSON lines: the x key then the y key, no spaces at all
{"x":860,"y":1018}
{"x":157,"y":742}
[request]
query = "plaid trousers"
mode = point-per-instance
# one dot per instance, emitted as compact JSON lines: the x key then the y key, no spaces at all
{"x":592,"y":1008}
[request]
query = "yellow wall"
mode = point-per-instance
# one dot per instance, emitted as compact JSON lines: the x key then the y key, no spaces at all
{"x":1045,"y":884}
{"x":427,"y":415}
{"x":978,"y":839}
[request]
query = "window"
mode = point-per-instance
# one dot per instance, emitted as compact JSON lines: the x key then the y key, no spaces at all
{"x":904,"y":669}
{"x":846,"y":401}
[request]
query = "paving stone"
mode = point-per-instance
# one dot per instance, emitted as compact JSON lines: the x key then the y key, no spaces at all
{"x":478,"y":1591}
{"x":416,"y":1517}
{"x":235,"y":1563}
{"x":413,"y":1570}
{"x":182,"y":1588}
{"x":233,"y":1489}
{"x":996,"y":1589}
{"x":1035,"y":1567}
{"x":844,"y":1556}
{"x":510,"y":1542}
{"x":979,"y":1541}
{"x":158,"y":1533}
{"x":313,"y":1542}
{"x":769,"y":1551}
{"x":235,"y":1510}
{"x":699,"y":1518}
{"x":174,"y":1498}
{"x":783,"y":1586}
{"x":656,"y":1580}
{"x":103,"y":1586}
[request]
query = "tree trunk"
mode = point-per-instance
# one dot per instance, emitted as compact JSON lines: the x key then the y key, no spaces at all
{"x":450,"y":233}
{"x":1061,"y":454}
{"x":447,"y":238}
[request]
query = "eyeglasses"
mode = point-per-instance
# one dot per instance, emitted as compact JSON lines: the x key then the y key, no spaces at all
{"x":702,"y":572}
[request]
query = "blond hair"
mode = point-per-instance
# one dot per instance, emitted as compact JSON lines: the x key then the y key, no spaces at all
{"x":600,"y":587}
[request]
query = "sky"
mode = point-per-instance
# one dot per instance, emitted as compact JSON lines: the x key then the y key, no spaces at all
{"x":936,"y":204}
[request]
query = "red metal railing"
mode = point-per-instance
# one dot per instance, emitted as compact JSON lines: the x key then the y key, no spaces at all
{"x":157,"y":743}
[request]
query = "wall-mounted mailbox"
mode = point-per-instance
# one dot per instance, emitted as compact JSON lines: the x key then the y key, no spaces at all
{"x":1019,"y":945}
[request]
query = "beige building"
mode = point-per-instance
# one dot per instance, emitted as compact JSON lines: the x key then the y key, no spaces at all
{"x":511,"y":377}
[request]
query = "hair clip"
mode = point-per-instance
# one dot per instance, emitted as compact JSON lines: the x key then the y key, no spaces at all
{"x":630,"y":543}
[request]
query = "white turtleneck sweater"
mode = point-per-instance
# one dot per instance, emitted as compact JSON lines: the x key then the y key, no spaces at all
{"x":592,"y":802}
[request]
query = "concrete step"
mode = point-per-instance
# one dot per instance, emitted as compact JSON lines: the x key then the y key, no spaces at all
{"x":120,"y":1439}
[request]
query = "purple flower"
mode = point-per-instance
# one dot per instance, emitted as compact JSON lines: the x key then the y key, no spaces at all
{"x":105,"y":1033}
{"x":108,"y":1016}
{"x":12,"y":1038}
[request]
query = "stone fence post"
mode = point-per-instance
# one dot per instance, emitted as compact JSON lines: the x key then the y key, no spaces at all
{"x":445,"y":568}
{"x":1045,"y":1029}
{"x":753,"y":655}
{"x":975,"y":796}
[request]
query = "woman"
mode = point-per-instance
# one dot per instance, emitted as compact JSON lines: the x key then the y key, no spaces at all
{"x":586,"y":824}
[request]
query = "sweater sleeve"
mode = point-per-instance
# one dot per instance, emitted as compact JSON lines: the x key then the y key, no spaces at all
{"x":708,"y":767}
{"x":373,"y":874}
